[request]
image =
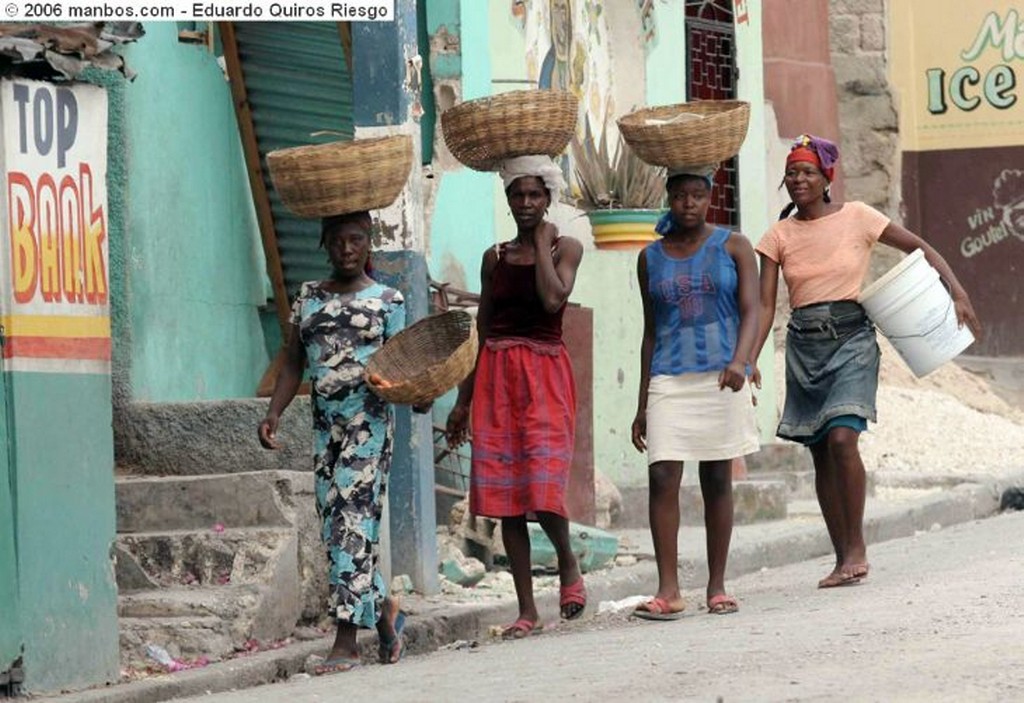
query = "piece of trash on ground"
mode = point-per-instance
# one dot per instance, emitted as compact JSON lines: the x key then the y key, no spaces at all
{"x":617,"y":606}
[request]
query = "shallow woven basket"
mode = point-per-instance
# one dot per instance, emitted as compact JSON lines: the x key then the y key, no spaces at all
{"x":482,"y":133}
{"x":716,"y":137}
{"x":426,"y":359}
{"x":320,"y":180}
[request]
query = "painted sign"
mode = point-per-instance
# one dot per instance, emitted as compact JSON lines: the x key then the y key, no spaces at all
{"x":54,"y":263}
{"x":960,"y":69}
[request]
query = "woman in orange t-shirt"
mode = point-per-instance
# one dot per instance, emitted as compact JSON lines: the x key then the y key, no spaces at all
{"x":832,"y":357}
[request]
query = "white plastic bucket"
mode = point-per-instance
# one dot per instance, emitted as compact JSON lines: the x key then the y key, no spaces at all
{"x":915,"y":312}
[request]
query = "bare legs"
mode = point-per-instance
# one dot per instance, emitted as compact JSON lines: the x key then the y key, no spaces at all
{"x":516,"y":539}
{"x":664,"y":478}
{"x":716,"y":490}
{"x":841,"y":485}
{"x":345,"y":646}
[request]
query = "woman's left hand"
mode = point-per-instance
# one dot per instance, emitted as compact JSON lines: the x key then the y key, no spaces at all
{"x":732,"y":376}
{"x":545,"y":235}
{"x":965,"y":314}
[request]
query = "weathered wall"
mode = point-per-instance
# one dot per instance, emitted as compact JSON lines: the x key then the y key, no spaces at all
{"x":193,"y":269}
{"x":958,"y":70}
{"x":869,"y":132}
{"x":63,"y":493}
{"x":799,"y":78}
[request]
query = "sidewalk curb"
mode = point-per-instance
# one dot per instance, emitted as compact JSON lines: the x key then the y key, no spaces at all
{"x":962,"y":503}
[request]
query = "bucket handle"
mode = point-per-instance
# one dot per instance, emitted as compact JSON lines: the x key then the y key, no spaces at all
{"x":937,"y":325}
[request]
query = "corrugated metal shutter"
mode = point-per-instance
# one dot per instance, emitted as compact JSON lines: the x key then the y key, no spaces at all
{"x":298,"y":83}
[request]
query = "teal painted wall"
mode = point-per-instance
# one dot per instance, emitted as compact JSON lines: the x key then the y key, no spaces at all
{"x":10,"y":632}
{"x":194,"y":269}
{"x":64,"y":501}
{"x":755,"y":214}
{"x":607,"y":283}
{"x":666,"y":55}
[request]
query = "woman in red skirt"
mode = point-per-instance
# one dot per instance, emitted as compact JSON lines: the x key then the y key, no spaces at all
{"x":521,"y":398}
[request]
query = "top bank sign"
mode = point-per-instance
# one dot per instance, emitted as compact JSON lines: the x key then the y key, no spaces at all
{"x":54,"y":279}
{"x":967,"y":88}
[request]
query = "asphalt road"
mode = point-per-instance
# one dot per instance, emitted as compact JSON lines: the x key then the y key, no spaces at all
{"x":941,"y":618}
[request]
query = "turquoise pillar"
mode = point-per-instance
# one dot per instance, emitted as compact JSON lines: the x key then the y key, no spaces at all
{"x":384,"y":91}
{"x":57,"y":466}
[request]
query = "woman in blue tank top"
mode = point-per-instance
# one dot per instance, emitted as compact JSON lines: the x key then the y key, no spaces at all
{"x":699,"y":288}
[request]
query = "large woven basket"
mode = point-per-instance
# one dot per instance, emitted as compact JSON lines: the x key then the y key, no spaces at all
{"x":484,"y":132}
{"x":320,"y":180}
{"x":426,"y":359}
{"x":688,"y":134}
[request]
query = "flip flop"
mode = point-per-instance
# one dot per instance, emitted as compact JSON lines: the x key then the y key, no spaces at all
{"x":657,"y":609}
{"x":838,"y":578}
{"x":722,"y":604}
{"x":336,"y":666}
{"x":575,"y":594}
{"x":859,"y":571}
{"x":521,"y":628}
{"x":386,"y":647}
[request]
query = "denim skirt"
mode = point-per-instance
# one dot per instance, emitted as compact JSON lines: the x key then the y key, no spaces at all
{"x":832,"y":360}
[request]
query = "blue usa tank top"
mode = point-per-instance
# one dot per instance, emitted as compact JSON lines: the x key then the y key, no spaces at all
{"x":696,"y":311}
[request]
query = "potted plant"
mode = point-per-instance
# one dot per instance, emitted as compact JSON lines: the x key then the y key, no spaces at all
{"x":622,"y":195}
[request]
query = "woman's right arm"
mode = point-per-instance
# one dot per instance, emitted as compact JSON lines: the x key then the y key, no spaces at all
{"x":289,"y":376}
{"x":457,"y":427}
{"x":769,"y":291}
{"x":639,"y":429}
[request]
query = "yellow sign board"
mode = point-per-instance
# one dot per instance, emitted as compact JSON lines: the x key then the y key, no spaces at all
{"x":959,"y":71}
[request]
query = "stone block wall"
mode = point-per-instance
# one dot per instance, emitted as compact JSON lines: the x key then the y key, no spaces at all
{"x":867,"y":106}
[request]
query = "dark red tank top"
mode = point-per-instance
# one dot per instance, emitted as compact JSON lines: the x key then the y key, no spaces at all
{"x":518,"y":310}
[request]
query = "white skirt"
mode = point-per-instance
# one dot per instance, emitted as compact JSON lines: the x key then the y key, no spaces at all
{"x":690,"y":419}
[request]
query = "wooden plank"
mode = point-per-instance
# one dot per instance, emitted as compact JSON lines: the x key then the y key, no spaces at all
{"x":345,"y":30}
{"x":250,"y":147}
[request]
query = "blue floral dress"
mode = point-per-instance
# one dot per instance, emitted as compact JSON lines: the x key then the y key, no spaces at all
{"x":353,"y":432}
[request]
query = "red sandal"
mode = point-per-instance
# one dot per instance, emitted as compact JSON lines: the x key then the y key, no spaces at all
{"x":575,"y":594}
{"x":521,"y":628}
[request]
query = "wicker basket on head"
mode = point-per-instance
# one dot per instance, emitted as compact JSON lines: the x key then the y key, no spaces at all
{"x":321,"y":180}
{"x":703,"y":132}
{"x":426,"y":359}
{"x":482,"y":133}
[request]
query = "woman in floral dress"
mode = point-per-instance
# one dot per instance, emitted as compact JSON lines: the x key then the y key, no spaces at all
{"x":336,"y":325}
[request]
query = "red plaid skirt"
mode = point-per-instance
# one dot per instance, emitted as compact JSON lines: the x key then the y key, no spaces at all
{"x":524,"y":422}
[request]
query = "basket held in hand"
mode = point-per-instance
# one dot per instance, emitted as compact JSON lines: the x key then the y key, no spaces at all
{"x":426,"y":359}
{"x":320,"y":180}
{"x":659,"y":139}
{"x":484,"y":132}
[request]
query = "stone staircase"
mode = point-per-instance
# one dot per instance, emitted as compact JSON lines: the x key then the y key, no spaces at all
{"x":207,"y":563}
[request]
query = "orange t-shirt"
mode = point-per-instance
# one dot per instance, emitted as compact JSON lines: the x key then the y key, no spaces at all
{"x":824,"y":260}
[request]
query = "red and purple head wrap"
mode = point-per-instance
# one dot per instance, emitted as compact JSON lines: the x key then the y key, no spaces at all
{"x":820,"y":152}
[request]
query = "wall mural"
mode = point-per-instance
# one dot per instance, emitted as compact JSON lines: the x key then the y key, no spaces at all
{"x":567,"y":49}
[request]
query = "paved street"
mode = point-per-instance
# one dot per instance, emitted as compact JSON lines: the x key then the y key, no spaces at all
{"x":940,"y":619}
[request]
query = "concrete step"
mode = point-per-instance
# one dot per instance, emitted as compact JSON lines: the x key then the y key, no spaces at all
{"x":779,"y":456}
{"x":162,"y":438}
{"x":182,"y":557}
{"x":801,"y":482}
{"x":187,"y":602}
{"x":258,"y":499}
{"x":186,"y":637}
{"x":245,"y":612}
{"x":753,"y":501}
